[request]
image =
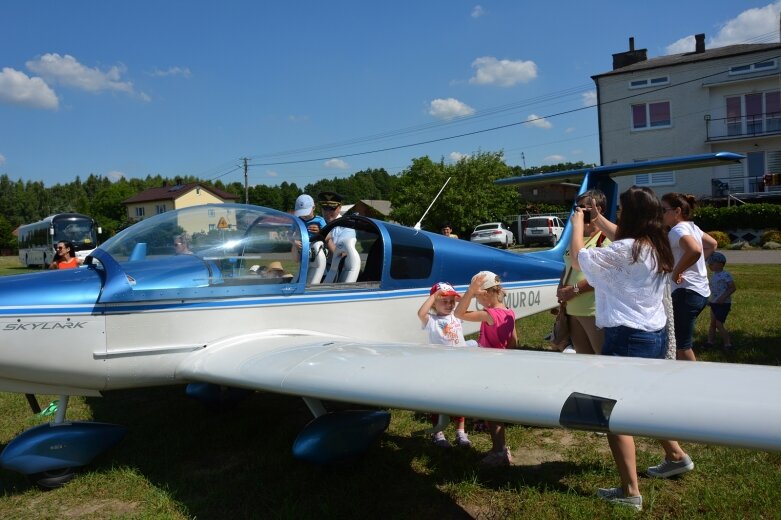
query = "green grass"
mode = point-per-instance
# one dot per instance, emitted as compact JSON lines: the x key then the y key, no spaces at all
{"x":181,"y":461}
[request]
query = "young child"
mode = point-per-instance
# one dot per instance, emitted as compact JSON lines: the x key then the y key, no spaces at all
{"x":436,"y":317}
{"x":721,"y":288}
{"x":497,"y":330}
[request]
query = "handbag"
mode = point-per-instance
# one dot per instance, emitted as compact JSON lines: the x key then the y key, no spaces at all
{"x":560,"y":336}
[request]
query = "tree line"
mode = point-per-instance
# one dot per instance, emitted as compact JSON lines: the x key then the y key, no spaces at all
{"x":470,"y":198}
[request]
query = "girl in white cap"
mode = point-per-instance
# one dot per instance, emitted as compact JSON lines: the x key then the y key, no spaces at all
{"x":497,"y":330}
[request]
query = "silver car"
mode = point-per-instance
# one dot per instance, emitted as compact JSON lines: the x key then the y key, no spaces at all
{"x":545,"y":230}
{"x":493,"y":233}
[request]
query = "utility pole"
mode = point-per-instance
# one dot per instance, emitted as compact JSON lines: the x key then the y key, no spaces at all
{"x":246,"y":187}
{"x":523,"y":158}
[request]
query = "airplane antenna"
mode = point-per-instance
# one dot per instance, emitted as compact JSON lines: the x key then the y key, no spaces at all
{"x":417,"y":226}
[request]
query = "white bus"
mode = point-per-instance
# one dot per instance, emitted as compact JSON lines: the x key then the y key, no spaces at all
{"x":37,"y":240}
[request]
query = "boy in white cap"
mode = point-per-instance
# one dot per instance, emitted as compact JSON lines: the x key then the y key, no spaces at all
{"x":305,"y":210}
{"x":436,"y":317}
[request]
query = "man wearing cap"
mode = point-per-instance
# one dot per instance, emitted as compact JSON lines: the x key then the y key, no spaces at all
{"x":330,"y":206}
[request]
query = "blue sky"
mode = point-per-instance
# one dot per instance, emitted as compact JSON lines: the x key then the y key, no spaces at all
{"x":190,"y":87}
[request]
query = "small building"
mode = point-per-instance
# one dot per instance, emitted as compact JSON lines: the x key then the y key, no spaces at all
{"x":379,"y":209}
{"x":167,"y":198}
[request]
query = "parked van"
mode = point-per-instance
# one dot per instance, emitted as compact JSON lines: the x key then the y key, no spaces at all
{"x":542,"y":230}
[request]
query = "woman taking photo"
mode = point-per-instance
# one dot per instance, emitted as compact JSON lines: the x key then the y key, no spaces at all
{"x":629,"y":278}
{"x":575,"y":291}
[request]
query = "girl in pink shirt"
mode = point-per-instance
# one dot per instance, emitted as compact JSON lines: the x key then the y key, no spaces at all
{"x":497,"y":330}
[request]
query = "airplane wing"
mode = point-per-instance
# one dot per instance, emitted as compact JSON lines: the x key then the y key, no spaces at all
{"x":704,"y":402}
{"x":618,"y":170}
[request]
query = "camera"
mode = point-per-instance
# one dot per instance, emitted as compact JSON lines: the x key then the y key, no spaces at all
{"x":586,"y":216}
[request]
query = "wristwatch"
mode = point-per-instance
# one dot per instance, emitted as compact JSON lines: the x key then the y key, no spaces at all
{"x":575,"y":289}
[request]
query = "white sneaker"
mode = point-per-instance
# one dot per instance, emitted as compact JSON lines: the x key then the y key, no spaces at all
{"x":439,"y":440}
{"x":670,"y":468}
{"x":569,"y":350}
{"x":616,"y":496}
{"x":462,"y":440}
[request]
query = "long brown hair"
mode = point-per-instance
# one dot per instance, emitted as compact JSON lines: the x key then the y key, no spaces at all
{"x":641,"y":219}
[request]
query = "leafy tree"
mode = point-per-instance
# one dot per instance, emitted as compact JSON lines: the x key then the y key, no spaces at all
{"x":470,"y":198}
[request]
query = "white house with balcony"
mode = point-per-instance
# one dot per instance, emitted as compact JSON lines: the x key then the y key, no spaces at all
{"x":707,"y":100}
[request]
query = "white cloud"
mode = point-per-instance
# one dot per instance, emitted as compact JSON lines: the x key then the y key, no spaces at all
{"x":538,"y":121}
{"x":297,"y":119}
{"x":449,"y":108}
{"x":115,"y":175}
{"x":555,"y":159}
{"x":457,"y":156}
{"x":17,"y":88}
{"x":590,"y":98}
{"x":748,"y":25}
{"x":336,"y":163}
{"x":569,"y":130}
{"x":66,"y":70}
{"x":173,"y":71}
{"x":2,"y":159}
{"x":504,"y":73}
{"x":477,"y":11}
{"x":272,"y":173}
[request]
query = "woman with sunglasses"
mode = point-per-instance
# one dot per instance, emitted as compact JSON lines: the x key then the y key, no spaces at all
{"x":691,"y":246}
{"x":65,"y":257}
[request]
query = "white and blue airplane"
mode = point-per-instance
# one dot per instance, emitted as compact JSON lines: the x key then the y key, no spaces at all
{"x":139,"y":314}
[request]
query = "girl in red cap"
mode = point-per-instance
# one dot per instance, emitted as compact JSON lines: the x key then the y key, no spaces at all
{"x":436,"y":317}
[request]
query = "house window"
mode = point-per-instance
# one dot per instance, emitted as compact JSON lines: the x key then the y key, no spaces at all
{"x":753,"y":67}
{"x":140,"y":212}
{"x":651,"y":115}
{"x":655,"y":179}
{"x":649,"y":82}
{"x":211,"y":212}
{"x":754,"y":113}
{"x":160,"y":208}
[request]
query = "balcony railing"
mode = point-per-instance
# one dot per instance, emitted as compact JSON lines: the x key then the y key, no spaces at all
{"x":759,"y":125}
{"x":749,"y":185}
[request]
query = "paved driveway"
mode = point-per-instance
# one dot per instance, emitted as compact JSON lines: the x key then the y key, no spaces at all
{"x":757,"y":256}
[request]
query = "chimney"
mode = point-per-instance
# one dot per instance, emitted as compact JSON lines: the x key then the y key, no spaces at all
{"x":699,"y":46}
{"x":630,"y":57}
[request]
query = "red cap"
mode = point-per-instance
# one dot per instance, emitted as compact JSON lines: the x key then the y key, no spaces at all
{"x":445,"y":288}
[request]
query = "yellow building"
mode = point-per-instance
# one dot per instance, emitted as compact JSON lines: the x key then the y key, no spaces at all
{"x":167,"y":198}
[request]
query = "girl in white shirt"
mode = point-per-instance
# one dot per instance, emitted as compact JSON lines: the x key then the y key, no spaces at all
{"x":690,"y":290}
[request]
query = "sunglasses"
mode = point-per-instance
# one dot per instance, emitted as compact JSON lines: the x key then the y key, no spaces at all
{"x":328,"y":207}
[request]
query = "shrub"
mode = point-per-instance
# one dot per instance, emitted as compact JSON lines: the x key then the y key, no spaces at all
{"x":721,"y":238}
{"x":744,"y":216}
{"x":771,"y":235}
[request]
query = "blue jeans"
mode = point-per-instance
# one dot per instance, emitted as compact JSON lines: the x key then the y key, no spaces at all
{"x":687,"y":305}
{"x":628,"y":342}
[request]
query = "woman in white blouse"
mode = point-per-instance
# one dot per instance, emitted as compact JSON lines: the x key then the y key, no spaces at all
{"x":629,"y":278}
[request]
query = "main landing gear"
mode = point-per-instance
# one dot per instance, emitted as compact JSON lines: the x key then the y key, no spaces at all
{"x":51,"y":454}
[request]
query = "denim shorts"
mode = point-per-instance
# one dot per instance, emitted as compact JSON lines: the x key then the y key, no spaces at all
{"x":628,"y":342}
{"x":687,"y":305}
{"x":720,"y":311}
